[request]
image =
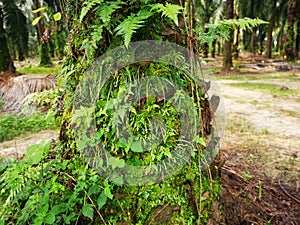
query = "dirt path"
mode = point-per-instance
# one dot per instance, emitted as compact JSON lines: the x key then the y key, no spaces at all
{"x":17,"y":148}
{"x":262,"y":128}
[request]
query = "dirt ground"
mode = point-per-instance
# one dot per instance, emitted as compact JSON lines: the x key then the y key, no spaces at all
{"x":261,"y":146}
{"x":17,"y":148}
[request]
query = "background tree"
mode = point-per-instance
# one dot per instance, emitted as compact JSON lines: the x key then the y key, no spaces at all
{"x":13,"y":26}
{"x":6,"y":62}
{"x":290,"y":36}
{"x":16,"y":27}
{"x":42,"y":37}
{"x":227,"y":60}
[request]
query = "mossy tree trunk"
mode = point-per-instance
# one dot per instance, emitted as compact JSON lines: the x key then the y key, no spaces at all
{"x":186,"y":197}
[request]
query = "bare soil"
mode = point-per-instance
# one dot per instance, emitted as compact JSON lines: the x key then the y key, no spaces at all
{"x":17,"y":148}
{"x":261,"y":147}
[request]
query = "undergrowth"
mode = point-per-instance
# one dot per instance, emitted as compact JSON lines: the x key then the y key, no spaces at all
{"x":13,"y":126}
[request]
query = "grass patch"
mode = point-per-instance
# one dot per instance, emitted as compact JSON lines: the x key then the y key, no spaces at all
{"x":270,"y":88}
{"x":247,"y":77}
{"x":39,"y":70}
{"x":12,"y":126}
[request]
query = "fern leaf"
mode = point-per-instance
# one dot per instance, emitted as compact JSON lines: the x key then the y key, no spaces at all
{"x":170,"y":10}
{"x":87,"y":8}
{"x":131,"y":24}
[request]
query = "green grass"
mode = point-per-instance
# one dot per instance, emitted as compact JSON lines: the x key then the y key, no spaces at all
{"x":270,"y":88}
{"x":39,"y":70}
{"x":248,"y":77}
{"x":12,"y":126}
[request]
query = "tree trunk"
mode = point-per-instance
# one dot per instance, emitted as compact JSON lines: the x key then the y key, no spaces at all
{"x":280,"y":38}
{"x":43,"y":43}
{"x":227,"y":61}
{"x":6,"y":62}
{"x":253,"y":41}
{"x":270,"y":37}
{"x":297,"y":44}
{"x":290,"y":36}
{"x":213,"y":49}
{"x":236,"y":43}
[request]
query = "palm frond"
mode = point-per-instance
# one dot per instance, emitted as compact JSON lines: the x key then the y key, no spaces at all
{"x":13,"y":90}
{"x":16,"y":26}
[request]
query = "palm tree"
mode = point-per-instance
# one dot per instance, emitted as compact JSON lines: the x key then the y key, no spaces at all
{"x":227,"y":58}
{"x":290,"y":36}
{"x":6,"y":62}
{"x":13,"y":26}
{"x":207,"y":11}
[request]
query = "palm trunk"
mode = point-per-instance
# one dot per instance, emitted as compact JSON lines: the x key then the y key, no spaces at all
{"x":213,"y":49}
{"x":290,"y":37}
{"x":236,"y":43}
{"x":270,"y":37}
{"x":6,"y":63}
{"x":253,"y":41}
{"x":43,"y":44}
{"x":227,"y":61}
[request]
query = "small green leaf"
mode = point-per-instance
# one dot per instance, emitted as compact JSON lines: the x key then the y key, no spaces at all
{"x":88,"y":211}
{"x":35,"y":153}
{"x":136,"y":147}
{"x":201,"y":141}
{"x":94,"y":189}
{"x":57,"y":16}
{"x":101,"y":201}
{"x":122,"y":143}
{"x":36,"y":20}
{"x":39,"y":9}
{"x":116,"y":162}
{"x":50,"y":218}
{"x":108,"y":193}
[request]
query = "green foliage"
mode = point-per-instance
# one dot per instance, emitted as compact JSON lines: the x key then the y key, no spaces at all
{"x":220,"y":30}
{"x":169,"y":10}
{"x":60,"y":188}
{"x":12,"y":126}
{"x":132,"y":23}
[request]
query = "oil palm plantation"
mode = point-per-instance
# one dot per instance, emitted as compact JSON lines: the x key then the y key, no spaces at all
{"x":13,"y":30}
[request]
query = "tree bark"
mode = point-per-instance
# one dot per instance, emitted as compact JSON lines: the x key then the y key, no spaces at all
{"x":227,"y":61}
{"x":270,"y":31}
{"x":290,"y":36}
{"x":6,"y":62}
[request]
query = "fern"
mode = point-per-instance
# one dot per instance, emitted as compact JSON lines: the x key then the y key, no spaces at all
{"x":87,"y":8}
{"x":243,"y":23}
{"x":171,"y":11}
{"x":221,"y":29}
{"x":131,"y":24}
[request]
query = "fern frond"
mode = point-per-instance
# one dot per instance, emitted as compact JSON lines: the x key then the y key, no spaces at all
{"x":170,"y":10}
{"x":131,"y":24}
{"x":87,"y":8}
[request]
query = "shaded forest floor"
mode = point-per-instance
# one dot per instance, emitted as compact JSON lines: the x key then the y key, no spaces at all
{"x":261,"y":147}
